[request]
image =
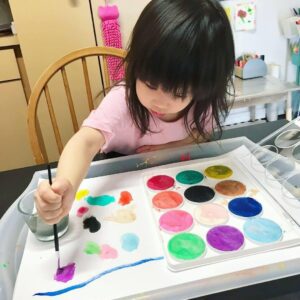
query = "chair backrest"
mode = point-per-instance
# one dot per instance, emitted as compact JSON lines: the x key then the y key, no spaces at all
{"x":60,"y":71}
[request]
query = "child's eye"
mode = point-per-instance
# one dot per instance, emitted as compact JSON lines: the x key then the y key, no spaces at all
{"x":150,"y":86}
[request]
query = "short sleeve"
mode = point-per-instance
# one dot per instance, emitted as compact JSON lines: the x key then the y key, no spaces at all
{"x":109,"y":115}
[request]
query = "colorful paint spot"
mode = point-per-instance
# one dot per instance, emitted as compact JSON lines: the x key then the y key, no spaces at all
{"x":199,"y":193}
{"x":167,"y":200}
{"x":218,"y":172}
{"x":122,"y":216}
{"x":3,"y":265}
{"x":189,"y":177}
{"x":66,"y":273}
{"x":211,"y":214}
{"x":125,"y":198}
{"x":160,"y":182}
{"x":108,"y":252}
{"x":262,"y":230}
{"x":92,"y":224}
{"x":92,"y":248}
{"x":81,"y":211}
{"x":81,"y":194}
{"x":176,"y":221}
{"x":129,"y":241}
{"x":101,"y":200}
{"x":186,"y":246}
{"x":230,"y":188}
{"x":245,"y":207}
{"x":225,"y":238}
{"x":185,"y":156}
{"x":98,"y":276}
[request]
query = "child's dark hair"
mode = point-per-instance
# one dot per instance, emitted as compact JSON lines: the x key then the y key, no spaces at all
{"x":182,"y":46}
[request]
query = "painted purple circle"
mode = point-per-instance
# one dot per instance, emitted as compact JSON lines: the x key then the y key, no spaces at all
{"x":225,"y":238}
{"x":176,"y":221}
{"x":160,"y":182}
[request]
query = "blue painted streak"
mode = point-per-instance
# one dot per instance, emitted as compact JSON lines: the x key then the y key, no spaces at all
{"x":83,"y":284}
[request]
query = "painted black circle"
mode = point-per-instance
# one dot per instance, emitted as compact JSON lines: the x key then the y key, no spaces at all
{"x":199,"y":193}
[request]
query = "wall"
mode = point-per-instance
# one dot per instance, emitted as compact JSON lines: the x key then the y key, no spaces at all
{"x":266,"y":39}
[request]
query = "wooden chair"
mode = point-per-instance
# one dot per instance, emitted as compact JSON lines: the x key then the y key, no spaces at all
{"x":41,"y":90}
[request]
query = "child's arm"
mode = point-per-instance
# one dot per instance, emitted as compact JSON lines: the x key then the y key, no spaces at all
{"x":54,"y":202}
{"x":187,"y":141}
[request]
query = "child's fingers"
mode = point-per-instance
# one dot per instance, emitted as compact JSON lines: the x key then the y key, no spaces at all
{"x":46,"y":206}
{"x":61,"y":186}
{"x":50,"y":216}
{"x":46,"y":193}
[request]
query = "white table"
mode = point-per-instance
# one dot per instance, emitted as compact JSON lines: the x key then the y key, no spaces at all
{"x":263,"y":90}
{"x":274,"y":266}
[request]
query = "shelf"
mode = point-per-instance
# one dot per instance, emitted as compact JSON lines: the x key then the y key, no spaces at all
{"x":8,"y":40}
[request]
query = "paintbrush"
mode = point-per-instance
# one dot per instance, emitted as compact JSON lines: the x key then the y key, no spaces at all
{"x":56,"y":241}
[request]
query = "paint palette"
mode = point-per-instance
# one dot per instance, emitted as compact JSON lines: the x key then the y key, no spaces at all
{"x":211,"y":210}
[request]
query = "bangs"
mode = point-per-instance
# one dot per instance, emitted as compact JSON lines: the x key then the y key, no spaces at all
{"x":173,"y":73}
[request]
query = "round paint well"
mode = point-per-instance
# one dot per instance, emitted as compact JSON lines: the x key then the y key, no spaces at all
{"x":186,"y":246}
{"x":225,"y":238}
{"x":199,"y":193}
{"x":218,"y":172}
{"x":175,"y":221}
{"x":211,"y":214}
{"x":189,"y":177}
{"x":167,"y":200}
{"x":230,"y":188}
{"x":262,"y":231}
{"x":160,"y":182}
{"x":245,"y":207}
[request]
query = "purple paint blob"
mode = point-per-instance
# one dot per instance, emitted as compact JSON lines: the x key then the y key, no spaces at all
{"x":66,"y":273}
{"x":160,"y":182}
{"x":225,"y":238}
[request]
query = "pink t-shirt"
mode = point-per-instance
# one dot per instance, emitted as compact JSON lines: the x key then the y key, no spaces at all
{"x":113,"y":119}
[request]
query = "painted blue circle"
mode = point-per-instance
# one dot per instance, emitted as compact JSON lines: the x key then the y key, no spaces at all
{"x":129,"y":241}
{"x":245,"y":207}
{"x":262,"y":230}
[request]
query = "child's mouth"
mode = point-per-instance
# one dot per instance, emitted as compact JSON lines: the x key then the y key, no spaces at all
{"x":157,"y":114}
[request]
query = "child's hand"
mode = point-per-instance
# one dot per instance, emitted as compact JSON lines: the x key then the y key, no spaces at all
{"x":55,"y":201}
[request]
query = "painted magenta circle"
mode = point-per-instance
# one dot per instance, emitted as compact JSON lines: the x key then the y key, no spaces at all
{"x":175,"y":221}
{"x":167,"y":200}
{"x":186,"y":246}
{"x":160,"y":182}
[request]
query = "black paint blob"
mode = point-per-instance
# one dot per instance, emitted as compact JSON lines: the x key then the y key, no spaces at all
{"x":199,"y":193}
{"x":92,"y":224}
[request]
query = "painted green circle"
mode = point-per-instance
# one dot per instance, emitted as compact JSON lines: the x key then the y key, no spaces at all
{"x":186,"y":246}
{"x":189,"y":177}
{"x":218,"y":172}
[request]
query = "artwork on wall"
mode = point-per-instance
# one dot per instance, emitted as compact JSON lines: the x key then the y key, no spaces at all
{"x":245,"y":16}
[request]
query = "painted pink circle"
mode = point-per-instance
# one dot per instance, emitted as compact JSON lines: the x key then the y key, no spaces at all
{"x":160,"y":182}
{"x":176,"y":221}
{"x":167,"y":200}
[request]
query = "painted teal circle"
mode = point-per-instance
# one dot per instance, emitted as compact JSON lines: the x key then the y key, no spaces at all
{"x":189,"y":177}
{"x":262,"y":230}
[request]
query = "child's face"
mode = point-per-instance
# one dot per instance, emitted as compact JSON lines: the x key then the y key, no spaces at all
{"x":159,"y":103}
